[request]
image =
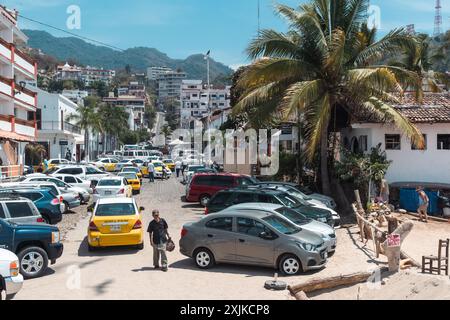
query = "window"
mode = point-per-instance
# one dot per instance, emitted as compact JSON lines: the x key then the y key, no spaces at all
{"x":19,"y":209}
{"x":202,"y":181}
{"x":90,"y":170}
{"x":222,"y":181}
{"x":116,"y":209}
{"x":392,"y":141}
{"x":225,"y":224}
{"x":443,"y":141}
{"x":263,"y":198}
{"x":244,"y":197}
{"x":413,"y":147}
{"x":33,"y":196}
{"x":251,"y":227}
{"x":71,"y":171}
{"x":70,"y":180}
{"x":2,"y":213}
{"x":245,"y":181}
{"x":363,"y":143}
{"x":220,"y":198}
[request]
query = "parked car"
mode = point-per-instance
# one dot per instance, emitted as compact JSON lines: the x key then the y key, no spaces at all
{"x":63,"y":187}
{"x":205,"y":185}
{"x":116,"y":222}
{"x":34,"y":244}
{"x":299,"y":195}
{"x":230,"y":197}
{"x":252,"y":238}
{"x":106,"y":164}
{"x":134,"y":170}
{"x":328,"y":201}
{"x":85,"y":172}
{"x":56,"y":162}
{"x":170,"y":164}
{"x":132,"y":180}
{"x":75,"y":181}
{"x":326,"y":232}
{"x":112,"y":187}
{"x":193,"y":169}
{"x":17,"y":209}
{"x":11,"y":280}
{"x":69,"y":200}
{"x":203,"y":170}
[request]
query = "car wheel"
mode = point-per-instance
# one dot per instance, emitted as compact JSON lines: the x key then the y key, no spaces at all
{"x":33,"y":262}
{"x":66,"y":207}
{"x":290,"y":265}
{"x":204,"y":200}
{"x":204,"y":259}
{"x":140,"y":246}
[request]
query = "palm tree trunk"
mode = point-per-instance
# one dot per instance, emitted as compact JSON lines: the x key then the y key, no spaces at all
{"x":86,"y":145}
{"x":324,"y":174}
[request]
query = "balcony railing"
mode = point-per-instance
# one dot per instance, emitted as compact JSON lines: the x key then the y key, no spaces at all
{"x":58,"y":126}
{"x":25,"y":62}
{"x":25,"y":95}
{"x":5,"y":49}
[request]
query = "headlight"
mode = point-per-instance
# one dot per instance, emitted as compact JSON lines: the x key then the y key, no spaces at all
{"x":14,"y":268}
{"x":307,"y":246}
{"x":55,"y":237}
{"x":323,"y":219}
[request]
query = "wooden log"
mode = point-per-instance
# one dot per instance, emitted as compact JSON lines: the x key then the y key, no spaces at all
{"x":301,"y":295}
{"x":358,"y":200}
{"x":394,"y":253}
{"x":331,"y":282}
{"x":392,"y":224}
{"x":429,"y":217}
{"x":405,"y":256}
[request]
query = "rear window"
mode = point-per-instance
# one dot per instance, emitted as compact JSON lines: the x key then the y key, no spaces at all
{"x":19,"y":209}
{"x":225,"y":224}
{"x":202,"y":181}
{"x":2,"y":213}
{"x":130,"y":176}
{"x":33,"y":196}
{"x":115,"y":209}
{"x":110,"y":183}
{"x":222,"y":181}
{"x":220,"y":198}
{"x":244,"y":197}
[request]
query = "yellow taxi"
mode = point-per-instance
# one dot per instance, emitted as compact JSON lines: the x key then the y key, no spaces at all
{"x":116,"y":222}
{"x":132,"y":180}
{"x":170,"y":164}
{"x":135,"y":170}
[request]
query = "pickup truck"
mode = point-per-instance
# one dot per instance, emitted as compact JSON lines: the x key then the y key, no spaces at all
{"x":35,"y":245}
{"x":11,"y":280}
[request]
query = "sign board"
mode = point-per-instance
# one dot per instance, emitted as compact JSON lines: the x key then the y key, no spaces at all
{"x":63,"y":142}
{"x":393,"y":240}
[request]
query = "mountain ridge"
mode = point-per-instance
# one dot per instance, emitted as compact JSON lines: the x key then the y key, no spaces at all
{"x":138,"y":58}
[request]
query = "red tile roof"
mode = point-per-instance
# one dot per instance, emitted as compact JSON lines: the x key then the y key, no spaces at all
{"x":435,"y":108}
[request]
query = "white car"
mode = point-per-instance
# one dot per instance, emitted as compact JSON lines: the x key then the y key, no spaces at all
{"x":75,"y":181}
{"x":326,"y":232}
{"x":85,"y":172}
{"x":112,"y":187}
{"x":11,"y":280}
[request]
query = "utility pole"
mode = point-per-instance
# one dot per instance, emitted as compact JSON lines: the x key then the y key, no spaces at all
{"x":208,"y":81}
{"x":438,"y":19}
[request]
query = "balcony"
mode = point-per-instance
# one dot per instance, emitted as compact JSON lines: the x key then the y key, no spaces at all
{"x":6,"y":86}
{"x":24,"y":127}
{"x":25,"y":64}
{"x":22,"y":96}
{"x":55,"y":126}
{"x":5,"y":50}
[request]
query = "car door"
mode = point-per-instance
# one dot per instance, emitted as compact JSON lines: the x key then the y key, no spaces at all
{"x":250,"y":247}
{"x":220,"y":238}
{"x":6,"y":232}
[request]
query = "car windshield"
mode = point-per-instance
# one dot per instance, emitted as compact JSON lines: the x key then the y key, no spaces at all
{"x":254,"y":180}
{"x":124,"y":161}
{"x":157,"y":164}
{"x":305,"y":190}
{"x":129,"y":176}
{"x":130,"y":169}
{"x":290,"y":201}
{"x":281,"y":225}
{"x":115,"y":209}
{"x":298,"y":194}
{"x":294,"y":216}
{"x":110,"y":183}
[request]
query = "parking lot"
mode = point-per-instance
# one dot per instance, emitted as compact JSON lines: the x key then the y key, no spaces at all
{"x":128,"y":273}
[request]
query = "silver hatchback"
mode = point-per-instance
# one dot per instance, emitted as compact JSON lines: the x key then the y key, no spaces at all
{"x":249,"y":238}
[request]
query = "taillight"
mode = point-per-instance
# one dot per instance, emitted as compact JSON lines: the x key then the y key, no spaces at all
{"x":92,"y":226}
{"x":55,"y":201}
{"x":61,"y":199}
{"x":206,"y":211}
{"x":40,"y":220}
{"x":14,"y":268}
{"x":121,"y":191}
{"x":183,"y":232}
{"x":138,"y":225}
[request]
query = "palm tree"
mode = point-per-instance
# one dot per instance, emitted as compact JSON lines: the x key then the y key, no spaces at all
{"x":321,"y":67}
{"x":419,"y":58}
{"x":36,"y":151}
{"x":113,"y":121}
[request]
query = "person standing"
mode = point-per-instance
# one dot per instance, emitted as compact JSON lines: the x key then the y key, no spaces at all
{"x":159,"y":235}
{"x":424,"y":202}
{"x":178,"y":167}
{"x":151,"y":172}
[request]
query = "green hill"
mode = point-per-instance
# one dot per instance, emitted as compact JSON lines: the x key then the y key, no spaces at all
{"x":139,"y":58}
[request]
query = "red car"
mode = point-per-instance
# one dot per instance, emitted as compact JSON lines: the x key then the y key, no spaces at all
{"x":204,"y":185}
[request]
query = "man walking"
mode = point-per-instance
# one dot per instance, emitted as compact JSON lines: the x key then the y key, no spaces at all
{"x":424,"y":201}
{"x":151,"y":172}
{"x":178,"y":167}
{"x":159,"y":235}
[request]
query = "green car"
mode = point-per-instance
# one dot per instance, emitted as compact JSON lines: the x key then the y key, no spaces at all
{"x":230,"y":197}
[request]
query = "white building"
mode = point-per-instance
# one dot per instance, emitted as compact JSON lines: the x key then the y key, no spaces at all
{"x":154,"y":72}
{"x":135,"y":106}
{"x":431,"y":165}
{"x":195,"y":103}
{"x":55,"y":132}
{"x":17,"y":102}
{"x":76,"y":96}
{"x":87,"y":75}
{"x":169,"y":85}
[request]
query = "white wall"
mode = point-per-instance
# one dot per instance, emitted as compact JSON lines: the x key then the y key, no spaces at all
{"x":431,"y":165}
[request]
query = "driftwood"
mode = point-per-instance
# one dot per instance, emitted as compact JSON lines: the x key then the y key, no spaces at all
{"x":429,"y":217}
{"x":394,"y":253}
{"x":301,"y":295}
{"x":392,"y":224}
{"x":329,"y":283}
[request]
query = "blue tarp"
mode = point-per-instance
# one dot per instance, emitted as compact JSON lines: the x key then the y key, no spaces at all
{"x":409,"y":200}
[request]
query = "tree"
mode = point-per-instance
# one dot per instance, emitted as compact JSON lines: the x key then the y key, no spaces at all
{"x":37,"y":152}
{"x":114,"y":121}
{"x":325,"y":67}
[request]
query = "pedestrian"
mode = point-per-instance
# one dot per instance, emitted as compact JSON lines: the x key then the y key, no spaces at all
{"x":178,"y":167}
{"x":184,"y":165}
{"x":424,"y":201}
{"x":151,"y":172}
{"x":45,"y":165}
{"x":159,"y":236}
{"x":164,"y":172}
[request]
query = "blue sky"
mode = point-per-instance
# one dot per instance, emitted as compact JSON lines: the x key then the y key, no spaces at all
{"x":183,"y":27}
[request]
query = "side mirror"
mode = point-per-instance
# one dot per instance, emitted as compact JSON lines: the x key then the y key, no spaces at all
{"x":141,"y":209}
{"x":266,"y":236}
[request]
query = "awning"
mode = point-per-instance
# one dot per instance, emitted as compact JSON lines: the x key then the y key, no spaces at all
{"x":14,"y":136}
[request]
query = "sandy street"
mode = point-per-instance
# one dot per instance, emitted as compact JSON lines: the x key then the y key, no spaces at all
{"x":128,"y":274}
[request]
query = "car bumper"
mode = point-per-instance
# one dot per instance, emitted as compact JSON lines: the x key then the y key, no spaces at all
{"x":136,"y":187}
{"x":55,"y":251}
{"x":13,"y":285}
{"x":331,"y":245}
{"x":315,"y":260}
{"x":97,"y":197}
{"x":54,"y":219}
{"x":97,"y":239}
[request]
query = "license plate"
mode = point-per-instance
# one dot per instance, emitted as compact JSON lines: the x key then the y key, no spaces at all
{"x":115,"y":228}
{"x":108,"y":193}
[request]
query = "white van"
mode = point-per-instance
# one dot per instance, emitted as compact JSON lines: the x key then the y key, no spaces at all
{"x":135,"y":154}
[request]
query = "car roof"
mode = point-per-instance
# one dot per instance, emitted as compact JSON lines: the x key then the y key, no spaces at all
{"x":10,"y":197}
{"x":111,"y":178}
{"x":255,"y":206}
{"x":242,"y":213}
{"x":221,"y":174}
{"x":115,"y":200}
{"x":243,"y":189}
